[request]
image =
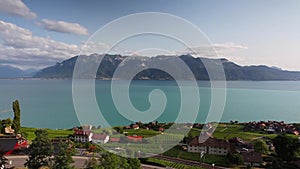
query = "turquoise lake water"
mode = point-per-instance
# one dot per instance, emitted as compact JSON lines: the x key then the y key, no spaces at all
{"x":49,"y":104}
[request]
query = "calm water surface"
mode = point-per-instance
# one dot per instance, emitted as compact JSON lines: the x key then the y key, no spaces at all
{"x":49,"y":104}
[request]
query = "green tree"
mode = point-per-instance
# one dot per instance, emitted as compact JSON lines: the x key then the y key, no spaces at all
{"x":63,"y":157}
{"x":279,"y":164}
{"x":286,"y":147}
{"x":235,"y":159}
{"x":261,"y":146}
{"x":17,"y":117}
{"x":109,"y":160}
{"x":7,"y":122}
{"x":40,"y":151}
{"x":92,"y":163}
{"x":134,"y":163}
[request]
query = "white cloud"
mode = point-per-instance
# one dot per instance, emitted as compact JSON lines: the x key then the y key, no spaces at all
{"x":214,"y":50}
{"x":63,"y":27}
{"x":21,"y":47}
{"x":16,"y":7}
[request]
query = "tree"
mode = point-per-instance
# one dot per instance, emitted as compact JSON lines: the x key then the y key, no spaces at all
{"x":261,"y":146}
{"x":279,"y":164}
{"x":286,"y":147}
{"x":134,"y":163}
{"x":17,"y":117}
{"x":7,"y":122}
{"x":109,"y":160}
{"x":92,"y":163}
{"x":40,"y":151}
{"x":235,"y":159}
{"x":63,"y":158}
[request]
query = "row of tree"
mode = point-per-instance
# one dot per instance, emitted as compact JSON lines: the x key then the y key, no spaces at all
{"x":41,"y":154}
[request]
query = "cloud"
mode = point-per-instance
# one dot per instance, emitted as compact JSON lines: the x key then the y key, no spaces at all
{"x":21,"y":47}
{"x":214,"y":50}
{"x":16,"y":7}
{"x":63,"y":27}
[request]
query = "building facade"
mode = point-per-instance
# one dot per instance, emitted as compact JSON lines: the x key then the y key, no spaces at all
{"x":210,"y":146}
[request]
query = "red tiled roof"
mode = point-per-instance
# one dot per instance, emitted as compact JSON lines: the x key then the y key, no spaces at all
{"x":135,"y":138}
{"x":99,"y":136}
{"x":135,"y":126}
{"x":114,"y":139}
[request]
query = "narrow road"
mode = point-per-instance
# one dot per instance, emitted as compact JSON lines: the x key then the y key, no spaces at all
{"x":18,"y":161}
{"x":79,"y":161}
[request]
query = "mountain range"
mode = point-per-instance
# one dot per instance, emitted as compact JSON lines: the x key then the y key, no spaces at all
{"x":110,"y":63}
{"x":7,"y":71}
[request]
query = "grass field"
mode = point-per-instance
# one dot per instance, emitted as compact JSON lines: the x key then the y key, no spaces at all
{"x":52,"y":133}
{"x":228,"y":131}
{"x":210,"y":159}
{"x":163,"y":163}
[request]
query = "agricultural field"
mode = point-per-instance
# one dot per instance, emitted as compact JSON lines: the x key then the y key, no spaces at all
{"x":164,"y":163}
{"x":29,"y":133}
{"x":178,"y":152}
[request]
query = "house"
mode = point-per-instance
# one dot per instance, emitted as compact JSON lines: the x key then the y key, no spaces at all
{"x":83,"y":136}
{"x":9,"y":130}
{"x":7,"y":144}
{"x":127,"y":127}
{"x":135,"y":127}
{"x":209,"y":146}
{"x":135,"y":138}
{"x":100,"y":138}
{"x":252,"y":159}
{"x":239,"y":145}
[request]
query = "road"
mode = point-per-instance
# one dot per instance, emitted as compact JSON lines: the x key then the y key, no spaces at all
{"x":18,"y":161}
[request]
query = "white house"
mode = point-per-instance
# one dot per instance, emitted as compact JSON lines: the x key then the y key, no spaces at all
{"x":83,"y":136}
{"x":100,"y":138}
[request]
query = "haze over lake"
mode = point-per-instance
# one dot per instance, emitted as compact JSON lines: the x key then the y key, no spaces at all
{"x":49,"y":104}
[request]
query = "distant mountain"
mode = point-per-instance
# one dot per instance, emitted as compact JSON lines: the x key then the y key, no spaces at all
{"x":111,"y":62}
{"x":13,"y":72}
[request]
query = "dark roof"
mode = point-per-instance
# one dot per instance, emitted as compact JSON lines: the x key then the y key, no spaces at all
{"x":7,"y":144}
{"x":194,"y":141}
{"x":213,"y":142}
{"x":210,"y":142}
{"x":252,"y":157}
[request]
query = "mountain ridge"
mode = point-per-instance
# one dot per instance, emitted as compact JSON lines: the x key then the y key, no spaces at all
{"x":7,"y":71}
{"x":109,"y":64}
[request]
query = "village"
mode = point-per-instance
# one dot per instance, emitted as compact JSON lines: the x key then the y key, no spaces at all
{"x":237,"y":144}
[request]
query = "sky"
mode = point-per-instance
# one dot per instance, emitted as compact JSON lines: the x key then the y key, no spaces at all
{"x":36,"y":34}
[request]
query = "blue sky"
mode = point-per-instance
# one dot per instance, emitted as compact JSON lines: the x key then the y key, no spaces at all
{"x":37,"y":33}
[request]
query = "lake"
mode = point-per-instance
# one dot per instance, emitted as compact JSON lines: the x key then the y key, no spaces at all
{"x":49,"y":104}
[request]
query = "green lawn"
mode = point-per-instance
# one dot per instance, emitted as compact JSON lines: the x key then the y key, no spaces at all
{"x":228,"y":131}
{"x":141,"y":132}
{"x":164,"y":163}
{"x":179,"y":153}
{"x":52,"y":133}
